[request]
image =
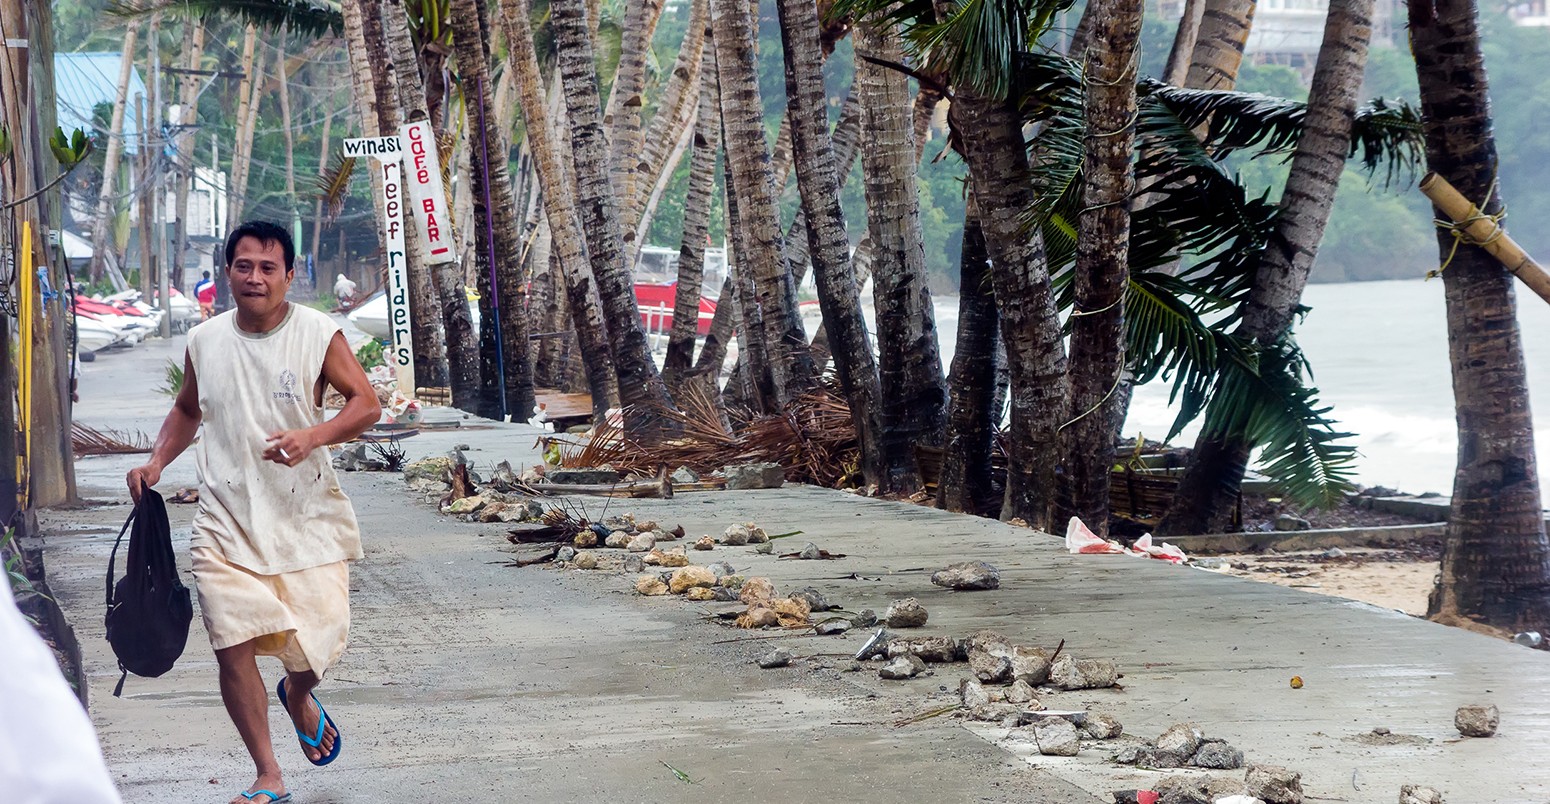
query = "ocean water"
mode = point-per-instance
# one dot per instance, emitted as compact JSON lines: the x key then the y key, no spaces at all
{"x":1379,"y":352}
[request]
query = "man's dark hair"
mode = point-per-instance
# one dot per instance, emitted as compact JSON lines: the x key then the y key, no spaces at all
{"x":207,"y":274}
{"x":266,"y":233}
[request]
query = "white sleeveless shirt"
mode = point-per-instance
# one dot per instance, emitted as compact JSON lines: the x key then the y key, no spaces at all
{"x":261,"y":515}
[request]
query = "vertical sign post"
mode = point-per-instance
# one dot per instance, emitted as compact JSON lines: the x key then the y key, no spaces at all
{"x":427,"y":198}
{"x":398,"y":277}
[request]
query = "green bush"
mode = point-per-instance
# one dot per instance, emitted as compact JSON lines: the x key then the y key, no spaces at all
{"x":370,"y":355}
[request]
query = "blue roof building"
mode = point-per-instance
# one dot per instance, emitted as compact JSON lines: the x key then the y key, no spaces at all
{"x":83,"y":80}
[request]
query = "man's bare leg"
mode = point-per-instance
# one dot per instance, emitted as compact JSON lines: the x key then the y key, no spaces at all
{"x":247,"y":703}
{"x":304,"y":713}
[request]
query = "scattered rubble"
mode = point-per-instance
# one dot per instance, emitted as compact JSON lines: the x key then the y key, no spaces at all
{"x":650,"y":585}
{"x":1020,"y":692}
{"x":991,"y":666}
{"x":902,"y":667}
{"x":1070,"y":673}
{"x":686,"y":578}
{"x":1056,"y":737}
{"x":877,"y":645}
{"x":1476,"y":721}
{"x":634,"y":562}
{"x":866,"y":618}
{"x":1274,"y":785}
{"x":815,"y":599}
{"x":973,"y":693}
{"x":701,"y":593}
{"x":1100,"y":726}
{"x":705,"y":543}
{"x":618,"y":540}
{"x":641,"y":543}
{"x":906,"y":613}
{"x":757,"y":590}
{"x":779,"y":657}
{"x":833,"y":626}
{"x":1415,"y":794}
{"x":585,"y":539}
{"x":1217,"y":755}
{"x":735,"y":536}
{"x":582,"y":477}
{"x":968,"y":575}
{"x":810,"y":552}
{"x":586,"y":560}
{"x":935,"y":649}
{"x":722,"y":569}
{"x":565,"y":554}
{"x":754,"y":476}
{"x":1179,"y":743}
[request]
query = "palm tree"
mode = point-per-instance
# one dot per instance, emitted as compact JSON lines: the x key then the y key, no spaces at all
{"x":622,"y":117}
{"x":914,"y":390}
{"x":789,"y":370}
{"x":973,"y":413}
{"x":102,"y":225}
{"x":1496,"y":558}
{"x":1211,"y":483}
{"x":829,"y":246}
{"x":674,"y":114}
{"x":1219,"y":40}
{"x":507,"y":379}
{"x":559,"y":200}
{"x":1102,"y":264}
{"x":696,"y":219}
{"x":640,"y":384}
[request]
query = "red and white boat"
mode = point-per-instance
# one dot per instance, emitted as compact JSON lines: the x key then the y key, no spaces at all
{"x":656,"y":288}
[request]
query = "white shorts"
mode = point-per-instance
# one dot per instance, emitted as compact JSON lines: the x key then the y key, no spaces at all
{"x":303,"y":617}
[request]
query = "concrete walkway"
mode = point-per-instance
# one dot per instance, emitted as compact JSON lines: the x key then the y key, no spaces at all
{"x":471,"y":681}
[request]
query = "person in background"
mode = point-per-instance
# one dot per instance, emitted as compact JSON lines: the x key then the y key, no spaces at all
{"x":344,"y":290}
{"x":205,"y":293}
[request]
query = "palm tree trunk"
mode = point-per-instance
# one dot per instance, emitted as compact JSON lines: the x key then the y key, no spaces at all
{"x":188,"y":90}
{"x":640,"y":385}
{"x":681,"y":140}
{"x":1496,"y":558}
{"x":678,"y":104}
{"x":1177,"y":68}
{"x":102,"y":225}
{"x":1102,"y":267}
{"x":1224,"y":29}
{"x":696,"y":225}
{"x":559,"y":201}
{"x":622,"y":117}
{"x":317,"y":207}
{"x":247,"y":119}
{"x":972,"y":419}
{"x":838,"y":297}
{"x":1206,"y":493}
{"x":914,"y":390}
{"x":789,"y":370}
{"x":847,"y":133}
{"x":1002,"y":189}
{"x":290,"y":137}
{"x":508,"y":380}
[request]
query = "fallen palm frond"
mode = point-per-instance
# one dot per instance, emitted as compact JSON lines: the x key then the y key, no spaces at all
{"x":813,"y":439}
{"x":86,"y":440}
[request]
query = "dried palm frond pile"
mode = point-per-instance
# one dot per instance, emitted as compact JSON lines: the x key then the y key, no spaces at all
{"x":813,"y":439}
{"x":86,"y":440}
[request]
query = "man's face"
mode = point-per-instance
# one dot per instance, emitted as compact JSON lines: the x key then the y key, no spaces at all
{"x":258,"y":277}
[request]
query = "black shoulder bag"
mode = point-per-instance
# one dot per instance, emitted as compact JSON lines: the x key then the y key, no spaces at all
{"x":149,"y":609}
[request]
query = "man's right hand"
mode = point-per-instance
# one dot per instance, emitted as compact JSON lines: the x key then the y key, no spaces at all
{"x":142,"y":478}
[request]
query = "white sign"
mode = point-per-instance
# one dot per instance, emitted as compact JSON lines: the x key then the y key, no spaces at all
{"x":379,"y":147}
{"x":401,"y":355}
{"x":422,"y":169}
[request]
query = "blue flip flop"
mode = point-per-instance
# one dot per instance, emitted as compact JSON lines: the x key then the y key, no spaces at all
{"x":323,"y":723}
{"x":273,"y":797}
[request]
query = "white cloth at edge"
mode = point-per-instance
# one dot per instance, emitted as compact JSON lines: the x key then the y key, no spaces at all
{"x":260,"y":515}
{"x":48,"y":750}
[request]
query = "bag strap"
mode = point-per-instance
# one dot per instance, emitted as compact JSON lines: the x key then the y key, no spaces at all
{"x":114,"y":555}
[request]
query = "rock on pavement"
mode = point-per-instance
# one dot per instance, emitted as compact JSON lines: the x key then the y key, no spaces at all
{"x":1100,"y":726}
{"x":902,"y":667}
{"x":1056,"y":737}
{"x":1274,"y":785}
{"x":779,"y":657}
{"x":1415,"y":794}
{"x":906,"y":613}
{"x":1476,"y":721}
{"x":586,"y":559}
{"x":968,"y":575}
{"x":641,"y":543}
{"x":1069,"y":673}
{"x":754,"y":476}
{"x":650,"y":585}
{"x":686,"y":578}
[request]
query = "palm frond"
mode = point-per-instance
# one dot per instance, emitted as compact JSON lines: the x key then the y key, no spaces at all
{"x":1266,"y":402}
{"x":316,"y":18}
{"x":334,"y":184}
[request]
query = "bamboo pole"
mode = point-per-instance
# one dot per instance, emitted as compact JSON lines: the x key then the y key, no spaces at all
{"x":1477,"y":228}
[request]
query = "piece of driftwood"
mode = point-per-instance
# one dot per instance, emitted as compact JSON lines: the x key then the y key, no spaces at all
{"x":540,"y":557}
{"x":533,"y":533}
{"x":661,"y":487}
{"x":1484,"y":231}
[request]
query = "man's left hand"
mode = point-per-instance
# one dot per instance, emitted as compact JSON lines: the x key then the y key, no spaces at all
{"x":289,"y":447}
